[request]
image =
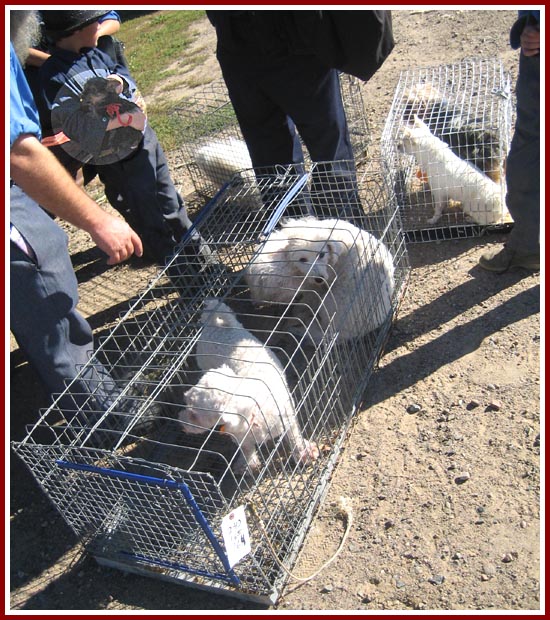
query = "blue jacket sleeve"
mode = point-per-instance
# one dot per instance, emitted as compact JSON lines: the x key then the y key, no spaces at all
{"x":110,"y":15}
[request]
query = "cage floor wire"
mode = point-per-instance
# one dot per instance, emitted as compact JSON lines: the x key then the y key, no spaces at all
{"x":224,"y":389}
{"x":213,"y":149}
{"x":445,"y":142}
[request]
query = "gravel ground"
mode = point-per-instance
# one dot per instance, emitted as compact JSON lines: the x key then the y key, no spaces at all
{"x":443,"y":460}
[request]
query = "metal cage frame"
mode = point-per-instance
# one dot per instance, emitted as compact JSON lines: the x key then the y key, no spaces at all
{"x":110,"y":453}
{"x":469,"y":106}
{"x":208,"y":116}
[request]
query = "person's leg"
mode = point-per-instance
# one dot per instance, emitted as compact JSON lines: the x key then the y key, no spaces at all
{"x":314,"y":102}
{"x":522,"y":177}
{"x":523,"y":162}
{"x":269,"y":134}
{"x":56,"y":338}
{"x":44,"y":319}
{"x":141,"y":189}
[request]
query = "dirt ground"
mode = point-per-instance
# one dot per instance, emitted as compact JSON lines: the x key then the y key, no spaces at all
{"x":443,"y":461}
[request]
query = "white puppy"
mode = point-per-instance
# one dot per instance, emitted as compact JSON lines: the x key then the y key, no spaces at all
{"x":452,"y":178}
{"x":347,"y":281}
{"x":246,"y":389}
{"x":293,"y":258}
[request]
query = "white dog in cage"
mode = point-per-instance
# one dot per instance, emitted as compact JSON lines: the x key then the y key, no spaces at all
{"x":331,"y":270}
{"x":219,"y":160}
{"x":292,"y":259}
{"x":228,"y":161}
{"x":244,"y":390}
{"x":452,"y":178}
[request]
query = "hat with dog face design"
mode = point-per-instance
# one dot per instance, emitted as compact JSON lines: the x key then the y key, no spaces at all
{"x":59,"y":24}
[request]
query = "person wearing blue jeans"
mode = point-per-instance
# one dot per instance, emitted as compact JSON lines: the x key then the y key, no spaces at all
{"x":44,"y":318}
{"x":522,"y":248}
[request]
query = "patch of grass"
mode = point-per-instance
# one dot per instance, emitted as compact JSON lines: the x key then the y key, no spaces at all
{"x":154,"y":42}
{"x":157,"y":47}
{"x":173,"y":126}
{"x":169,"y":127}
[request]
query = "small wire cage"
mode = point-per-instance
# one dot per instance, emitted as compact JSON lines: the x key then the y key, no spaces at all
{"x":145,"y":485}
{"x":213,"y":149}
{"x":445,"y":142}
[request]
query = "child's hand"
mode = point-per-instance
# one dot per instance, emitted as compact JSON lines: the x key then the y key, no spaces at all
{"x":138,"y":120}
{"x":119,"y":80}
{"x":133,"y":119}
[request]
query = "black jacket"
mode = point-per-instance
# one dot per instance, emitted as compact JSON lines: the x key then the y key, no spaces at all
{"x":355,"y":42}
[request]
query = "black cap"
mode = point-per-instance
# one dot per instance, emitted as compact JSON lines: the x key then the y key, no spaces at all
{"x":59,"y":24}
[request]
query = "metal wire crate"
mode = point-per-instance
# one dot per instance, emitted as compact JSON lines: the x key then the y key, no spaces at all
{"x":465,"y":115}
{"x":213,"y":148}
{"x":112,"y":454}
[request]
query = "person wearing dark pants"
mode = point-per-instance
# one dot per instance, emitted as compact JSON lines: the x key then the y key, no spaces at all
{"x":282,"y":89}
{"x":137,"y":181}
{"x":522,"y":248}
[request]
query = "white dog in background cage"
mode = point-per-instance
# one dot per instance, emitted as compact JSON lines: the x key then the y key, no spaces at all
{"x":331,"y":270}
{"x":219,"y":160}
{"x":244,"y":390}
{"x":228,"y":161}
{"x":452,"y":178}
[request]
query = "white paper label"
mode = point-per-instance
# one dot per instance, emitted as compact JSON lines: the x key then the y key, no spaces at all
{"x":235,"y":535}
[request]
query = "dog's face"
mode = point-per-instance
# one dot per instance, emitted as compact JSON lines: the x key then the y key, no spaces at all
{"x":218,"y":401}
{"x":311,"y":260}
{"x":413,"y":137}
{"x":203,"y":410}
{"x":98,"y":91}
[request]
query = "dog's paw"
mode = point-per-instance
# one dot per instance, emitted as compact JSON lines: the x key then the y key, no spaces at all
{"x":434,"y":219}
{"x":249,"y":464}
{"x":308,"y":453}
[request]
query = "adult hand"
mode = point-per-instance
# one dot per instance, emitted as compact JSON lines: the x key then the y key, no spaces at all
{"x":113,"y":235}
{"x":530,"y":41}
{"x":40,"y":175}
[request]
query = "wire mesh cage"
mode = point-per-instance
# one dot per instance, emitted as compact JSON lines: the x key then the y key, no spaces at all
{"x":213,"y":149}
{"x":230,"y":384}
{"x":445,"y":142}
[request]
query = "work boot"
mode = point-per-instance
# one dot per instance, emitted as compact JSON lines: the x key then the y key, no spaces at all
{"x":502,"y":259}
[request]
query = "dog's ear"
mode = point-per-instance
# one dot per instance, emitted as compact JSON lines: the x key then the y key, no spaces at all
{"x":334,"y":249}
{"x":418,"y":122}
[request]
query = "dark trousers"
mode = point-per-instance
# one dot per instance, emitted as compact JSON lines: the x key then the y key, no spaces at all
{"x":274,"y":101}
{"x":141,"y":189}
{"x":523,"y":162}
